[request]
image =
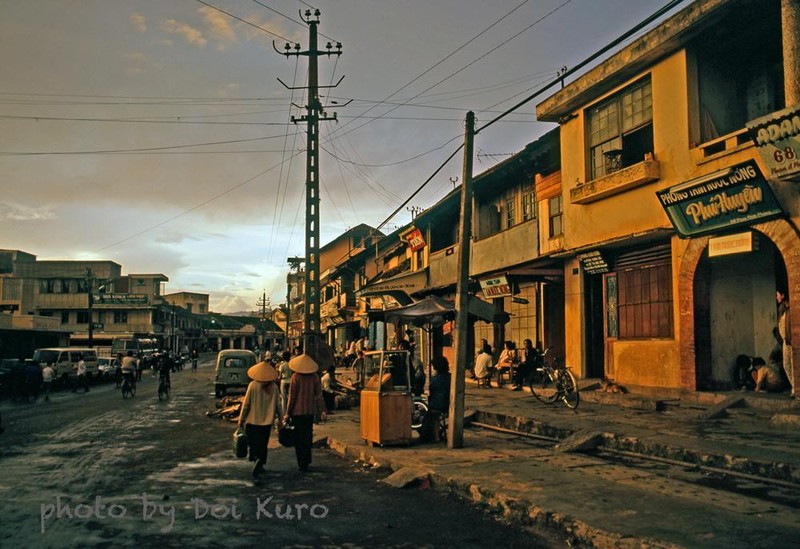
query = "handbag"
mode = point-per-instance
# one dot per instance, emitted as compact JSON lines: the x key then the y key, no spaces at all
{"x":286,"y":434}
{"x":239,"y":443}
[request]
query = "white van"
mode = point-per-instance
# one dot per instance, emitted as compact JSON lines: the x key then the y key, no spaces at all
{"x":64,"y":361}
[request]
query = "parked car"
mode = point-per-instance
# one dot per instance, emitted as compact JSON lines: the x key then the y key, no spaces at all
{"x":12,"y":375}
{"x":231,"y":370}
{"x":65,"y":361}
{"x":106,"y":367}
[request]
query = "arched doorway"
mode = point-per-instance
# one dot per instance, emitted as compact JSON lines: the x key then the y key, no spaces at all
{"x":734,"y":309}
{"x":727,"y":307}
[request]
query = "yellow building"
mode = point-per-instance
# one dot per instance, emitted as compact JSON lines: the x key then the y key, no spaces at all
{"x":676,"y":234}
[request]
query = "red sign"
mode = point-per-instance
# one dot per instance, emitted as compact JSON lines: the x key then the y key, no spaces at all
{"x":415,"y":240}
{"x":496,"y":287}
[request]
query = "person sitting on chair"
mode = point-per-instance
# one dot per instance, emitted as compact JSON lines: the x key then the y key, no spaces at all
{"x":484,"y":370}
{"x":509,"y":359}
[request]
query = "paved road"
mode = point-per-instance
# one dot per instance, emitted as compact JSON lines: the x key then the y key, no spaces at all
{"x":96,"y":470}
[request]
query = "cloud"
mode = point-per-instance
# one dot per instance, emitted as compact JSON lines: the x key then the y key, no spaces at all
{"x":135,"y":63}
{"x":138,"y":21}
{"x":218,"y":26}
{"x":17,"y":212}
{"x":192,"y":35}
{"x":228,"y":303}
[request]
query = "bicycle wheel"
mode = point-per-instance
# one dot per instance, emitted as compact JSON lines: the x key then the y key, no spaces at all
{"x":418,"y":411}
{"x":542,"y":386}
{"x":569,"y":389}
{"x":162,"y":390}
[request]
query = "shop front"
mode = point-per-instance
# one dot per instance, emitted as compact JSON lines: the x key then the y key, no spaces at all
{"x":736,"y":246}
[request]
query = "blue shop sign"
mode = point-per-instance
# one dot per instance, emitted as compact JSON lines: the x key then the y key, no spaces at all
{"x":735,"y":196}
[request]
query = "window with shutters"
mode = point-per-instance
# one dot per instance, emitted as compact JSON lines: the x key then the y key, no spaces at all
{"x":643,"y":288}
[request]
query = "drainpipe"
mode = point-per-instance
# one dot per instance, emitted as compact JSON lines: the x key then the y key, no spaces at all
{"x":790,"y":20}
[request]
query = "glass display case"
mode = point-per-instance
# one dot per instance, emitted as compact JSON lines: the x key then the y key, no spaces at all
{"x":386,"y":397}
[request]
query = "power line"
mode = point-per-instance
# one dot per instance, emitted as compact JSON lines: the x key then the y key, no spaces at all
{"x":140,"y":121}
{"x":245,"y":21}
{"x":426,"y":71}
{"x":561,"y":77}
{"x":196,"y":207}
{"x":146,"y":149}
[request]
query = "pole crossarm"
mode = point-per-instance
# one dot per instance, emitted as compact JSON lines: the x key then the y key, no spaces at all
{"x":314,"y":113}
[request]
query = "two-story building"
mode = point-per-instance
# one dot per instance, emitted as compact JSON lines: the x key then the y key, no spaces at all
{"x":676,"y":232}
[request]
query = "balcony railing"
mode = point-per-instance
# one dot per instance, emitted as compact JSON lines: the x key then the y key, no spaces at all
{"x":616,"y":182}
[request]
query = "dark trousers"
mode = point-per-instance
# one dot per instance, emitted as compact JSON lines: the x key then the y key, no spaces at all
{"x":303,"y":437}
{"x":523,"y":372}
{"x":257,"y":441}
{"x":82,"y":382}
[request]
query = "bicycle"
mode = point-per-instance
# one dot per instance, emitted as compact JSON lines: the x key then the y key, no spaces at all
{"x":128,"y":387}
{"x":164,"y":387}
{"x":564,"y":386}
{"x":419,"y":411}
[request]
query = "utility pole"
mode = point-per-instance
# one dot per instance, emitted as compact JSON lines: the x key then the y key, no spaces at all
{"x":455,"y":428}
{"x":90,"y":300}
{"x":294,"y":263}
{"x":263,"y":303}
{"x":314,"y":114}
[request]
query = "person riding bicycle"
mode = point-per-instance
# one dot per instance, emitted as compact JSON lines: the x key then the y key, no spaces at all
{"x":129,"y":367}
{"x":164,"y":370}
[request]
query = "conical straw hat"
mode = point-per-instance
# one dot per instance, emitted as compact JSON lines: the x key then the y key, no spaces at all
{"x":263,"y":372}
{"x":303,"y":364}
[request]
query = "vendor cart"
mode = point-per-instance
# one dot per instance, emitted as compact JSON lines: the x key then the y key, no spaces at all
{"x":386,"y":397}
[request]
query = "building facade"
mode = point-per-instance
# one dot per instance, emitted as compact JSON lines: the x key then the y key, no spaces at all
{"x":676,"y":232}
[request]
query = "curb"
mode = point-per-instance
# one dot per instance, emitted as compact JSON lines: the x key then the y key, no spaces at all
{"x":624,"y":443}
{"x":513,"y":509}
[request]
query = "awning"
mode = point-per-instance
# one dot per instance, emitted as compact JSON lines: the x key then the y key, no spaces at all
{"x":435,"y":311}
{"x":399,"y":287}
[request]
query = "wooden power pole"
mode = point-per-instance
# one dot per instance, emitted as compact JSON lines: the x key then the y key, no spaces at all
{"x":455,"y":428}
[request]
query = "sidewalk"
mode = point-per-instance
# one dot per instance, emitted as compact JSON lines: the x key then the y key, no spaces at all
{"x":533,"y":480}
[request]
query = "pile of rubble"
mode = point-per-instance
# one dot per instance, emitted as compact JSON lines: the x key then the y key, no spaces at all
{"x":227,"y":408}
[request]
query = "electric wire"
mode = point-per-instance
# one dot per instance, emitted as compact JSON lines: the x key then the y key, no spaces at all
{"x":429,"y":69}
{"x":614,"y":43}
{"x":195,"y":207}
{"x":244,"y":21}
{"x":144,"y":149}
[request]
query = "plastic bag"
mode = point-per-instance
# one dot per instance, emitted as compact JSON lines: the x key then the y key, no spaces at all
{"x":286,"y":434}
{"x":239,"y":443}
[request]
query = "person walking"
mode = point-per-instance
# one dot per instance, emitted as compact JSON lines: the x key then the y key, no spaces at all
{"x":305,"y":401}
{"x":48,"y":375}
{"x":81,"y":382}
{"x":259,"y":412}
{"x":286,"y":377}
{"x":785,"y":332}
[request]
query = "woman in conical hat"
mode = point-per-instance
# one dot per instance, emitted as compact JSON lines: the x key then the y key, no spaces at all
{"x":258,"y":412}
{"x":305,"y":402}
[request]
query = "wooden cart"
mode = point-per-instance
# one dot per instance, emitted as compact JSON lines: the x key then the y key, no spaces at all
{"x":386,"y":398}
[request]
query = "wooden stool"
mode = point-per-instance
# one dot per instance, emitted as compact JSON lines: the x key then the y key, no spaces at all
{"x":485,"y":382}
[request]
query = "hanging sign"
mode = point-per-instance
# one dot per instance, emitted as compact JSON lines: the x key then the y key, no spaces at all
{"x":777,"y":137}
{"x":735,"y":196}
{"x":415,"y":240}
{"x":732,"y":244}
{"x":497,"y":286}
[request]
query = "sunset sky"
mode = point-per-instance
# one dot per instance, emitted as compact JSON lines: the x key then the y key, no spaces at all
{"x":155,"y":133}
